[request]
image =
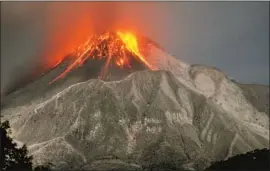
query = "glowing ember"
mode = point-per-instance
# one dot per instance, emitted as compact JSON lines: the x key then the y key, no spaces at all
{"x":112,"y":47}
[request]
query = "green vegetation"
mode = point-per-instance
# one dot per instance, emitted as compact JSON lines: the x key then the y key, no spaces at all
{"x":15,"y":158}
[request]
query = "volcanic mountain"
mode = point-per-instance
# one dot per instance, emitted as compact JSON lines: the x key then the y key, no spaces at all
{"x":121,"y":102}
{"x":109,"y":56}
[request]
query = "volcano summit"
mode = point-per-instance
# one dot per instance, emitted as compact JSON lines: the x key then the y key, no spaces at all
{"x":109,"y":56}
{"x":117,"y":48}
{"x":121,"y":102}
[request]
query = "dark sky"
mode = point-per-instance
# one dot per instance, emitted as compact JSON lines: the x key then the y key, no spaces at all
{"x":232,"y":36}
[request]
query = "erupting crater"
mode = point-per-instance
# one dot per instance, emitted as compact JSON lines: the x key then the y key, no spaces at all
{"x":115,"y":48}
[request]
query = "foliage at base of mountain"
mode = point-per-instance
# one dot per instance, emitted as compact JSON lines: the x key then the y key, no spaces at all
{"x":254,"y":160}
{"x":13,"y":157}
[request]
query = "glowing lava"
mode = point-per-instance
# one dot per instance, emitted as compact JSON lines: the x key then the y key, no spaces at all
{"x":131,"y":44}
{"x":115,"y":48}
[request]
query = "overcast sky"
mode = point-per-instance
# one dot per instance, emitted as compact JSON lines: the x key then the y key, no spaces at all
{"x":232,"y":36}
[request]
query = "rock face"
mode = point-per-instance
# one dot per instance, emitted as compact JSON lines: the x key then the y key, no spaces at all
{"x":148,"y":118}
{"x":179,"y":117}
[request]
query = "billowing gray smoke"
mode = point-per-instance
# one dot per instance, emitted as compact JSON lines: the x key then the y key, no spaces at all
{"x":34,"y":34}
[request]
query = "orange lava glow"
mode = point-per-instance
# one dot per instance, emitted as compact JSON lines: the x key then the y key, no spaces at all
{"x":112,"y":47}
{"x":131,"y":44}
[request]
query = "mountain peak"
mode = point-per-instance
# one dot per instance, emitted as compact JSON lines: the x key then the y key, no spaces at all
{"x":108,"y":55}
{"x":115,"y":48}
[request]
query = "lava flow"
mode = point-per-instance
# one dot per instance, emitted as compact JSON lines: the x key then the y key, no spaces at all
{"x":115,"y":48}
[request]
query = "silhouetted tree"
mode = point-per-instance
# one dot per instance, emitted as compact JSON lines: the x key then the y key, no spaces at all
{"x":14,"y":157}
{"x":43,"y":168}
{"x":254,"y":160}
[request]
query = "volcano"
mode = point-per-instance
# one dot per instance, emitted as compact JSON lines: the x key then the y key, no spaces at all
{"x":120,"y":101}
{"x":114,"y":48}
{"x":109,"y":56}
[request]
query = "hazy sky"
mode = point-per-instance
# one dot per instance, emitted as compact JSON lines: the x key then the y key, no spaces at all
{"x":232,"y":36}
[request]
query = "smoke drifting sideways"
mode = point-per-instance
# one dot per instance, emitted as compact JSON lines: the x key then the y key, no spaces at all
{"x":34,"y":35}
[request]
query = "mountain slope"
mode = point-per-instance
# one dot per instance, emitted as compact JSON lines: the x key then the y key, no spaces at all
{"x":150,"y":117}
{"x":178,"y":115}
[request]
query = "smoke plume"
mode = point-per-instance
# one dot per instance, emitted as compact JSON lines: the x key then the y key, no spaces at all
{"x":35,"y":34}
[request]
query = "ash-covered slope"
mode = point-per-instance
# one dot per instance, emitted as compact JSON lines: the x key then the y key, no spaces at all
{"x":41,"y":89}
{"x":149,"y":118}
{"x":180,"y":115}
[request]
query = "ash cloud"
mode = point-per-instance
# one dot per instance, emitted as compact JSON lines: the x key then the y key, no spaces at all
{"x":34,"y":34}
{"x":232,"y":36}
